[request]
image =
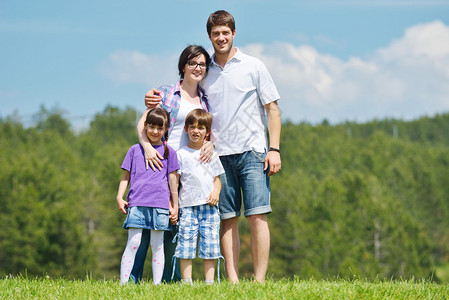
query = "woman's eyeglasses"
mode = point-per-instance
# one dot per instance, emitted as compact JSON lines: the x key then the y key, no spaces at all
{"x":194,"y":64}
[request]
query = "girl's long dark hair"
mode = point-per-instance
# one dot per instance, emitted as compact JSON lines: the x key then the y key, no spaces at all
{"x":161,"y":118}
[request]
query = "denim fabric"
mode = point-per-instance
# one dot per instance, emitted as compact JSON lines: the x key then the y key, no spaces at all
{"x":147,"y":218}
{"x":244,"y":176}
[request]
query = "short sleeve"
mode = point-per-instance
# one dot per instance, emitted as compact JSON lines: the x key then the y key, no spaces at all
{"x":173,"y":163}
{"x":179,"y":161}
{"x":127,"y":162}
{"x":216,"y":165}
{"x":266,"y":88}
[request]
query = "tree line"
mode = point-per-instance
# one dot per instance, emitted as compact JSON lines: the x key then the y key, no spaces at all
{"x":367,"y":200}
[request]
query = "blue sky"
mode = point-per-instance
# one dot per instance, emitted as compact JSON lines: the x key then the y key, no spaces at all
{"x":335,"y":60}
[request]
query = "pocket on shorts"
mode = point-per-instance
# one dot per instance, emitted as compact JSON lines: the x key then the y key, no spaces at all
{"x":161,"y":218}
{"x":259,"y":155}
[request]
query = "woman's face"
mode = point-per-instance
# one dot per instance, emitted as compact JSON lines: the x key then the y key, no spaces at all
{"x":195,"y":69}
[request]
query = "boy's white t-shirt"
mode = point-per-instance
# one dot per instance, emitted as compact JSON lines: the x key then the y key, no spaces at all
{"x":178,"y":137}
{"x":197,"y":178}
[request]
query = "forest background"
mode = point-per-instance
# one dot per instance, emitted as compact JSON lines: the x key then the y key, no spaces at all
{"x":352,"y":200}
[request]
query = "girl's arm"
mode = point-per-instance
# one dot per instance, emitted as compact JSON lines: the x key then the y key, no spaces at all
{"x":173,"y":182}
{"x":215,"y":195}
{"x":122,"y":204}
{"x":152,"y":157}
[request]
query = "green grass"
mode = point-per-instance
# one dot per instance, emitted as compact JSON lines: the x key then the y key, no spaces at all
{"x":59,"y":288}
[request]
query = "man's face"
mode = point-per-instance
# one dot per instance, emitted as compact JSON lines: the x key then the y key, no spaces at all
{"x":222,"y":39}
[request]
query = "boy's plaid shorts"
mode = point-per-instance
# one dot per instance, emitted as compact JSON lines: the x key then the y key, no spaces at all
{"x":205,"y":220}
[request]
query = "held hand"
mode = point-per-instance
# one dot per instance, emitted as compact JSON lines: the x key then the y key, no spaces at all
{"x":173,"y":215}
{"x":122,"y":205}
{"x":152,"y":98}
{"x":273,"y":159}
{"x":152,"y":157}
{"x":206,"y":151}
{"x":213,"y":198}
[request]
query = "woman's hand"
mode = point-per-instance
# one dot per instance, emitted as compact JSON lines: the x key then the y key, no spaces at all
{"x":152,"y":157}
{"x":152,"y":98}
{"x":207,"y":151}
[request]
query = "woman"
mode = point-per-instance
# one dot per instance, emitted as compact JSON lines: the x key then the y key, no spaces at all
{"x":178,"y":99}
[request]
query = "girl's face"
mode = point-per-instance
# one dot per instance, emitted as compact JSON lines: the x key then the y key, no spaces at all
{"x":155,"y":133}
{"x":195,"y":69}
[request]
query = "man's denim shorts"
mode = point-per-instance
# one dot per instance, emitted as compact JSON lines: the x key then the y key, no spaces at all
{"x":244,"y":175}
{"x":147,"y":218}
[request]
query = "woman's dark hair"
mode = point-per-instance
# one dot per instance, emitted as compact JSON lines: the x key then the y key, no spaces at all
{"x":189,"y":53}
{"x":161,"y":118}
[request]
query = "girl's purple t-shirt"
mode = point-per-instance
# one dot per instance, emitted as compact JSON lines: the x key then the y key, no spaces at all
{"x":147,"y":187}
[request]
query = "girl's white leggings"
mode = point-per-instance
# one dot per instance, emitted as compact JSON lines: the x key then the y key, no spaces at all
{"x":157,"y":249}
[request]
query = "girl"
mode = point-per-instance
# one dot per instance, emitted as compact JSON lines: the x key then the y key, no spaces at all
{"x":152,"y":196}
{"x":179,"y":99}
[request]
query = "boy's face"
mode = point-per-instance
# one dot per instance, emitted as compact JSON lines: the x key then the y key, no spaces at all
{"x":222,"y":39}
{"x":197,"y":133}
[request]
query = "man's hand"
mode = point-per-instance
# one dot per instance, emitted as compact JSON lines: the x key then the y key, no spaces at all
{"x":273,"y":159}
{"x":206,"y":151}
{"x":152,"y":98}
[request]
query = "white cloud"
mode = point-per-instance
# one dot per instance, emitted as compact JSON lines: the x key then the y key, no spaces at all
{"x":124,"y":67}
{"x":407,"y":79}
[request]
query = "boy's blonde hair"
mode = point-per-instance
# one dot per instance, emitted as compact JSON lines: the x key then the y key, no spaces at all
{"x":200,"y":117}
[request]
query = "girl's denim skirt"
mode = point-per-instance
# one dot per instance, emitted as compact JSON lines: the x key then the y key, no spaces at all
{"x":147,"y":218}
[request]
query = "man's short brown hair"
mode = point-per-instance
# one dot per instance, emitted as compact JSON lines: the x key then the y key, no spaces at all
{"x":220,"y":18}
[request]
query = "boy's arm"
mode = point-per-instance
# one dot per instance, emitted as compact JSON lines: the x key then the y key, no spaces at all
{"x":173,"y":181}
{"x":215,"y":195}
{"x":151,"y":155}
{"x":122,"y":204}
{"x":273,"y":158}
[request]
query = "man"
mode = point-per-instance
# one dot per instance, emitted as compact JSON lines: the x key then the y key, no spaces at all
{"x":240,"y":91}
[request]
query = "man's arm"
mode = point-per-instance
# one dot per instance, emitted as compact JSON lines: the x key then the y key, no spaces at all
{"x":273,"y":158}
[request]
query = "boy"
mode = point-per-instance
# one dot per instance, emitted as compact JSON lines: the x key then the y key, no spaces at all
{"x":198,"y":198}
{"x":243,"y":100}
